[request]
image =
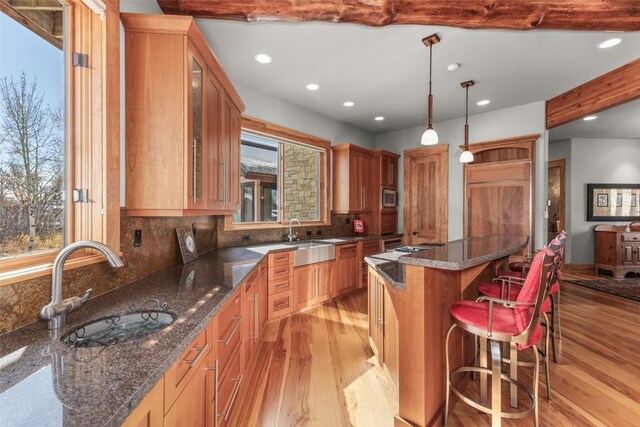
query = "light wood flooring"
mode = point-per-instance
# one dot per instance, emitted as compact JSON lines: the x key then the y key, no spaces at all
{"x":316,"y":369}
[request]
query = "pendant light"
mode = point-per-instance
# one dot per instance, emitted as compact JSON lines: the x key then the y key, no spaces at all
{"x":466,"y":156}
{"x":430,"y":137}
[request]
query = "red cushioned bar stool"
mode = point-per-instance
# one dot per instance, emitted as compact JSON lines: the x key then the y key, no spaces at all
{"x":498,"y":321}
{"x":508,"y":287}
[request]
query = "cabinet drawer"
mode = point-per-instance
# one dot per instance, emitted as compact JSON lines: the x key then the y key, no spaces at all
{"x":252,"y":280}
{"x":280,"y":304}
{"x":276,"y":286}
{"x":388,"y":224}
{"x":630,"y":237}
{"x":280,"y":259}
{"x":279,"y":273}
{"x":228,"y":331}
{"x":371,"y":247}
{"x":347,"y":251}
{"x":228,"y":388}
{"x":181,"y":372}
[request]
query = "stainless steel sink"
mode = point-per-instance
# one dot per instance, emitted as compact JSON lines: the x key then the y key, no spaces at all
{"x":313,"y":252}
{"x":116,"y":328}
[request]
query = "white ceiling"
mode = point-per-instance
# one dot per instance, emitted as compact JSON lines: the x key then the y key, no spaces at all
{"x":621,"y":122}
{"x":385,"y":70}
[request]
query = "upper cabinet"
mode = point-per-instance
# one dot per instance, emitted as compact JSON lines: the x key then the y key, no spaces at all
{"x":388,"y":169}
{"x":352,"y":184}
{"x":182,"y":121}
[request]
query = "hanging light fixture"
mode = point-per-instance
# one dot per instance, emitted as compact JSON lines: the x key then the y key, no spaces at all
{"x":430,"y":137}
{"x":466,"y":156}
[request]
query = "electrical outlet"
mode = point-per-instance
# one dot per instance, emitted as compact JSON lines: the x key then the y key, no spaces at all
{"x":246,"y":237}
{"x":348,"y":220}
{"x":319,"y":233}
{"x":309,"y":233}
{"x":193,"y":229}
{"x":137,"y":238}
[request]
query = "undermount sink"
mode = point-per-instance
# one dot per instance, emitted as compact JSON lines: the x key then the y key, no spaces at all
{"x":313,"y":252}
{"x":110,"y":330}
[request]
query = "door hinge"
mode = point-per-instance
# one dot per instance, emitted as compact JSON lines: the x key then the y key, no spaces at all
{"x":81,"y":195}
{"x":80,"y":60}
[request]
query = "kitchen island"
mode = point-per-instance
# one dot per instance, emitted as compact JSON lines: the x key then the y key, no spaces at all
{"x":424,"y":285}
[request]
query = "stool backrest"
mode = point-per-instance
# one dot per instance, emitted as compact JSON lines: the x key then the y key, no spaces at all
{"x":534,"y":290}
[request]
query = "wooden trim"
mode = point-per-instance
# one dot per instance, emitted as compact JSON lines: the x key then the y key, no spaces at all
{"x":578,"y":268}
{"x":44,"y":266}
{"x":561,"y":164}
{"x":478,"y":147}
{"x":608,"y":90}
{"x":424,"y":151}
{"x":592,"y":15}
{"x":229,"y":225}
{"x":267,"y":128}
{"x":386,"y":153}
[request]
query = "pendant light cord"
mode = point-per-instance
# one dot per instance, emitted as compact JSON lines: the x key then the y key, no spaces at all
{"x":430,"y":64}
{"x":466,"y":108}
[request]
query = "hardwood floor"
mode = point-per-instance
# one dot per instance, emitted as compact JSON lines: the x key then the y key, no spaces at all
{"x":316,"y":369}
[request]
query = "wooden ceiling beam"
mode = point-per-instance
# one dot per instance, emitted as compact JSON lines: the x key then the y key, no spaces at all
{"x":587,"y":15}
{"x":40,"y":8}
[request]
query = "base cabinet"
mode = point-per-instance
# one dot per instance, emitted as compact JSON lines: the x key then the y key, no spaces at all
{"x":347,"y":268}
{"x":383,"y":324}
{"x":149,"y":412}
{"x":312,"y":284}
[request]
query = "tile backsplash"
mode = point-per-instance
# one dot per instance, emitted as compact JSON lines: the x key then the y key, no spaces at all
{"x":21,"y":301}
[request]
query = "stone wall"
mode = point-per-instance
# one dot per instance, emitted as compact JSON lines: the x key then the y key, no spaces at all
{"x":301,"y":167}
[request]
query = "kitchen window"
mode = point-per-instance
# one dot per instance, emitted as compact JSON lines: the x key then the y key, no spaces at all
{"x":59,"y":130}
{"x":283,"y":175}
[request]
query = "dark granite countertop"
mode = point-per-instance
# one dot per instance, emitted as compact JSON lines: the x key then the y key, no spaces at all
{"x":391,"y":271}
{"x":466,"y":253}
{"x":46,"y":382}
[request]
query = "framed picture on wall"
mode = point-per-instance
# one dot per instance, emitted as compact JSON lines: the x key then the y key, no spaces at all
{"x":613,"y":202}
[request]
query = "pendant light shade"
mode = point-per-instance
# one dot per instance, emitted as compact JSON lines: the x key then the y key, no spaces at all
{"x":466,"y":156}
{"x":430,"y":137}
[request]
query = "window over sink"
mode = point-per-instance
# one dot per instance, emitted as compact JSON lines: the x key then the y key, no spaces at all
{"x":283,"y":175}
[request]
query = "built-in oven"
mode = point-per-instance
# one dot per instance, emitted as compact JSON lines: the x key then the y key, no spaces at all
{"x":389,"y":198}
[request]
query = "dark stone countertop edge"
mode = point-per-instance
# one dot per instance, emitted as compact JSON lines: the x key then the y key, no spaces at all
{"x":377,"y":263}
{"x":463,"y":265}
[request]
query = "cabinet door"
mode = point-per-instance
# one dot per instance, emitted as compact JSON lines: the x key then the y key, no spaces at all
{"x":391,"y":333}
{"x":195,"y":143}
{"x":149,"y":413}
{"x":192,"y":407}
{"x":304,"y":286}
{"x":326,"y":274}
{"x":263,"y":305}
{"x":393,"y":173}
{"x":355,"y":183}
{"x":248,"y":325}
{"x":389,"y":172}
{"x":215,"y":149}
{"x":346,"y":268}
{"x":365,"y":167}
{"x":230,"y":138}
{"x":375,"y":317}
{"x":627,"y":254}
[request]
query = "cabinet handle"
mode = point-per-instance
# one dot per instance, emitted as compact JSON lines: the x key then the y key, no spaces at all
{"x":282,"y":304}
{"x":381,"y":298}
{"x":375,"y":301}
{"x":233,"y":398}
{"x":201,"y":351}
{"x":195,"y":169}
{"x":347,"y":250}
{"x":281,"y":271}
{"x":391,"y":175}
{"x":215,"y":389}
{"x":257,"y":314}
{"x":225,"y":342}
{"x":224,"y":175}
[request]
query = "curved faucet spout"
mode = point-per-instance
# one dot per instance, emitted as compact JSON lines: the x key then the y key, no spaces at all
{"x":54,"y":312}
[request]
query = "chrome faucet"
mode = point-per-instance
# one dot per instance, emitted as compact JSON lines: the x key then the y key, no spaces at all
{"x":54,"y":312}
{"x":292,"y":236}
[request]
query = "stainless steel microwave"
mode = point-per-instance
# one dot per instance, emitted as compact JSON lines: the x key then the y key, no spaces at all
{"x":389,"y":198}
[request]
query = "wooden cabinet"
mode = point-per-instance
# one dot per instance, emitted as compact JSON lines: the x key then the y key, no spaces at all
{"x":312,"y":284}
{"x":383,"y":324}
{"x":367,"y":248}
{"x":388,"y":169}
{"x":347,"y":268}
{"x":254,"y":309}
{"x":352,"y":179}
{"x":280,"y":284}
{"x":149,"y":412}
{"x":183,"y":121}
{"x":617,"y":250}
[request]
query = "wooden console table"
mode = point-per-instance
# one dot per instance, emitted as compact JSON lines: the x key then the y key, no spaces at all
{"x":617,"y":249}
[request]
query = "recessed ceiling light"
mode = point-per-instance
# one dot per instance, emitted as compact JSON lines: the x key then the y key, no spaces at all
{"x":610,"y":43}
{"x":379,"y":119}
{"x":348,"y":104}
{"x":453,"y":67}
{"x":483,"y":102}
{"x":263,"y":58}
{"x":589,"y":118}
{"x":312,"y":86}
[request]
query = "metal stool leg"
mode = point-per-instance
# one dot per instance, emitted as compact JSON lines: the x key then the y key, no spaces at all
{"x":557,"y":309}
{"x":513,"y":373}
{"x":536,"y":374}
{"x":446,"y":358}
{"x":483,"y":376}
{"x":496,"y":385}
{"x":546,"y":354}
{"x":554,"y":326}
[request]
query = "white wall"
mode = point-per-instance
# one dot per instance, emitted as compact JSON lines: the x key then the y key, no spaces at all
{"x":516,"y":121}
{"x":284,"y":113}
{"x":602,"y":161}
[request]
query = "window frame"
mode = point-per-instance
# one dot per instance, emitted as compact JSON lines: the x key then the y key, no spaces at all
{"x":271,"y":130}
{"x":92,"y":140}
